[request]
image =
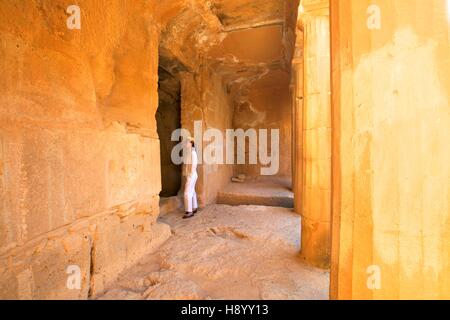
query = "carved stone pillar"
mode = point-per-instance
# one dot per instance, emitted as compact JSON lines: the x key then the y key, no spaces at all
{"x":316,"y":134}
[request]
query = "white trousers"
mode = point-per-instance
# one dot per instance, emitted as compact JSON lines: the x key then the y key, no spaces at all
{"x":190,"y":196}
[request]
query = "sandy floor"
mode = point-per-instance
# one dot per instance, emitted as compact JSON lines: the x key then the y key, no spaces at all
{"x":246,"y":252}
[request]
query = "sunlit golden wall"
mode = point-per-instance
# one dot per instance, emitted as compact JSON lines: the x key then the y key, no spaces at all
{"x":391,"y":155}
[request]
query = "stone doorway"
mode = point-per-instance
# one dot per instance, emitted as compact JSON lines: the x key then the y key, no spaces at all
{"x":168,"y":119}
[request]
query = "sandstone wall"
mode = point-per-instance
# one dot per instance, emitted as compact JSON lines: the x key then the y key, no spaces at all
{"x":205,"y":99}
{"x":266,"y":104}
{"x":79,"y":153}
{"x":391,"y":156}
{"x":218,"y":115}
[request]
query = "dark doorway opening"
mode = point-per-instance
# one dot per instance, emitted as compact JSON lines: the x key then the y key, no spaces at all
{"x":168,"y":119}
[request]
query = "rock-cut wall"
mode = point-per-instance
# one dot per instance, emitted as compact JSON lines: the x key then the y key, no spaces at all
{"x":79,"y":152}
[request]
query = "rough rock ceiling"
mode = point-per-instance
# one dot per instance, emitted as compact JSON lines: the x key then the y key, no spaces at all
{"x":238,"y":14}
{"x":242,"y":39}
{"x":254,"y":45}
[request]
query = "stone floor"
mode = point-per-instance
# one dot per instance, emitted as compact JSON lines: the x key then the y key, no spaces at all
{"x":244,"y":252}
{"x":274,"y":192}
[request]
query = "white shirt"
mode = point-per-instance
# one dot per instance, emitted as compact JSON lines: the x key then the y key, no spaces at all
{"x":191,"y":163}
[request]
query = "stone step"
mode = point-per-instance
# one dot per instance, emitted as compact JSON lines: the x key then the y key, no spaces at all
{"x":259,"y":193}
{"x":167,"y":205}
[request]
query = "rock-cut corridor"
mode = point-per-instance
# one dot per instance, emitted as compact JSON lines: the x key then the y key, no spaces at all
{"x":243,"y":252}
{"x":321,"y":131}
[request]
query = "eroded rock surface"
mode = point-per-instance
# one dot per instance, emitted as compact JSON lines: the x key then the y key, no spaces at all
{"x":80,"y":162}
{"x":246,"y":252}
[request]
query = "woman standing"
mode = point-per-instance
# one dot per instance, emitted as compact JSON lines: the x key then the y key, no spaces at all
{"x":190,"y":174}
